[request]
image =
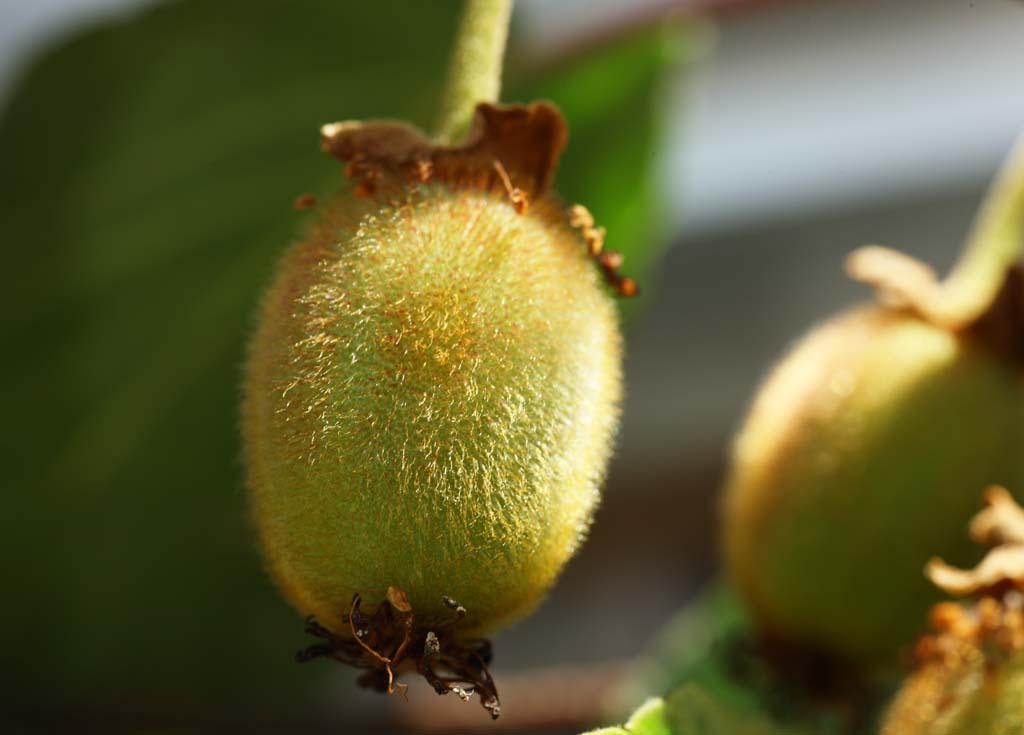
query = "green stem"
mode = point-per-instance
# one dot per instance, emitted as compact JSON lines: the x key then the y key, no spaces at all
{"x":997,"y":239}
{"x":971,"y":289}
{"x":475,"y":72}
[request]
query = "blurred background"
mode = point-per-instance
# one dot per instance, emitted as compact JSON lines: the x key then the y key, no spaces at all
{"x":149,"y":154}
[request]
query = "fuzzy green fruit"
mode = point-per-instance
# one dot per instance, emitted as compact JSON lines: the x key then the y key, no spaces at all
{"x":430,"y":399}
{"x":860,"y":458}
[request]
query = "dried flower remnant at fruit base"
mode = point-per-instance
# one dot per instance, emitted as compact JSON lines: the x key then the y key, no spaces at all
{"x":446,"y":662}
{"x":997,"y":581}
{"x":512,"y":142}
{"x":967,"y":680}
{"x":1001,"y":526}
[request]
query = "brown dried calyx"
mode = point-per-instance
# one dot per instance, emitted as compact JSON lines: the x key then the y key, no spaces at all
{"x":986,"y":632}
{"x":514,"y":148}
{"x":526,"y":139}
{"x":1001,"y":526}
{"x":905,"y":283}
{"x":984,"y":292}
{"x":387,"y":641}
{"x":993,"y":626}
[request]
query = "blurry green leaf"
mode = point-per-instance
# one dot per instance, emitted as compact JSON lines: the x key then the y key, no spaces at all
{"x":649,"y":719}
{"x":693,"y":709}
{"x":149,"y":168}
{"x":688,"y":648}
{"x":714,"y":680}
{"x":696,"y":710}
{"x":612,"y":100}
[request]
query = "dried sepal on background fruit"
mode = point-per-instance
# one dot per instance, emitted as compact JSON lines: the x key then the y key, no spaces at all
{"x":970,"y":671}
{"x":1001,"y":525}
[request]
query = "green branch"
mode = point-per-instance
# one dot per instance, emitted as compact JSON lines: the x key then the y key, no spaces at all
{"x":997,"y":240}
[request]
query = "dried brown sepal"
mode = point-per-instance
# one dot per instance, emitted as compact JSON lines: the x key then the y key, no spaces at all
{"x":510,"y":147}
{"x":608,"y":261}
{"x":423,"y":171}
{"x":960,"y":666}
{"x":385,"y":142}
{"x":520,"y":201}
{"x":304,"y":201}
{"x":387,"y":642}
{"x":1001,"y":568}
{"x":398,"y":600}
{"x":624,"y":286}
{"x":1002,"y":520}
{"x":1000,"y":524}
{"x":903,"y":282}
{"x":580,"y":217}
{"x":992,"y":627}
{"x":526,"y":139}
{"x":965,"y":659}
{"x":899,"y":280}
{"x":460,"y":611}
{"x":987,"y":631}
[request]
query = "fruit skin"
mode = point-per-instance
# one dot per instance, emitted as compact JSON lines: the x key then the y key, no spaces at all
{"x":860,"y":459}
{"x":429,"y":403}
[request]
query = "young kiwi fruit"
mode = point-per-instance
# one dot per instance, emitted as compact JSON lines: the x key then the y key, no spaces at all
{"x":862,"y":452}
{"x":970,"y":674}
{"x":431,"y":394}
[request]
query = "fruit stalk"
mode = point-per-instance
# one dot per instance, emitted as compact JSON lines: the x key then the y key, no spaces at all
{"x":474,"y":75}
{"x":995,"y":245}
{"x":969,"y":677}
{"x":997,"y":240}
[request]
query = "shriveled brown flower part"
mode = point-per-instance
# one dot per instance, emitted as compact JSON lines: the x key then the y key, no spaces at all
{"x":525,"y":139}
{"x":985,"y":632}
{"x":513,"y":146}
{"x":968,"y":675}
{"x":986,"y":279}
{"x":903,"y":283}
{"x":1001,"y":525}
{"x":1002,"y":520}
